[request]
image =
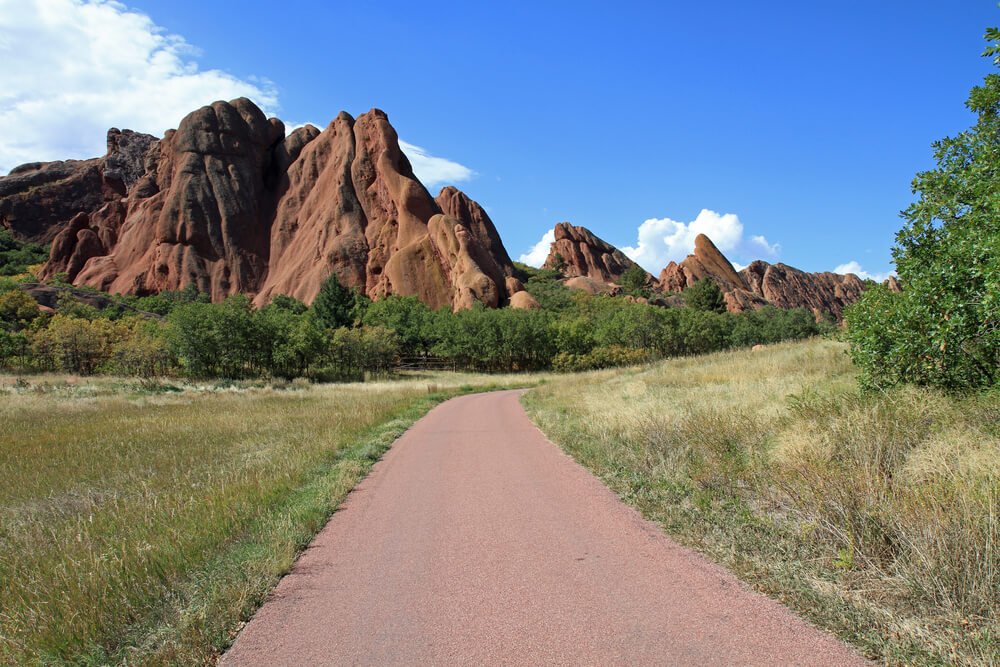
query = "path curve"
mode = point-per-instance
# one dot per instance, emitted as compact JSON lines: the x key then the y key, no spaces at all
{"x":476,"y":541}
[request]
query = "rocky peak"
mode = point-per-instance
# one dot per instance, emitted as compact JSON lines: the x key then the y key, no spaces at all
{"x":38,"y":199}
{"x":762,"y":283}
{"x":583,"y":254}
{"x":707,"y":261}
{"x":125,"y":161}
{"x":230,"y":204}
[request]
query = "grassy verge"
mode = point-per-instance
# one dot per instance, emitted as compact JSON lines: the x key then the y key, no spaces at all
{"x":143,"y":523}
{"x":874,"y":516}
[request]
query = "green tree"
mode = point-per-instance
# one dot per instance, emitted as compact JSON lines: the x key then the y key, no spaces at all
{"x":335,"y":305}
{"x":943,"y":329}
{"x":17,"y":310}
{"x":634,"y":280}
{"x":705,"y":295}
{"x":412,"y":321}
{"x":194,"y":337}
{"x":287,"y":303}
{"x":142,"y":349}
{"x":77,"y":345}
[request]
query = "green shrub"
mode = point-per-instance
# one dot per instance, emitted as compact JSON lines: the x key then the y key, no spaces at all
{"x":16,"y":257}
{"x":602,"y":357}
{"x":705,"y":295}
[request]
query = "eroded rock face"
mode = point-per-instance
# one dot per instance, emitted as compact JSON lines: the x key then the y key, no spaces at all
{"x":705,"y":262}
{"x":787,"y":287}
{"x":761,"y":283}
{"x":230,"y":204}
{"x":319,"y":226}
{"x":126,"y":159}
{"x":40,"y":198}
{"x":583,"y":254}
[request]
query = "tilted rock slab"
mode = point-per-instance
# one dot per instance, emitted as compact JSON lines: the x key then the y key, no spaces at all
{"x":585,"y":255}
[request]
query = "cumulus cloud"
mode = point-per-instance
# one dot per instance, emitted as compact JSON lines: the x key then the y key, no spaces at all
{"x":73,"y":68}
{"x":433,"y":170}
{"x":538,"y":252}
{"x":772,"y":249}
{"x":662,"y":240}
{"x":854,"y":267}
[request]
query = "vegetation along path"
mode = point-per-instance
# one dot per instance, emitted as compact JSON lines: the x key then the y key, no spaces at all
{"x":477,"y":541}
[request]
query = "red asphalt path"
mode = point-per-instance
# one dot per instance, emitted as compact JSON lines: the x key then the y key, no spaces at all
{"x":476,"y":541}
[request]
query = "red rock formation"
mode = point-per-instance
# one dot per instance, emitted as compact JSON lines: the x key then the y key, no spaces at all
{"x":592,"y":286}
{"x":519,"y":297}
{"x":705,"y":262}
{"x":787,"y":287}
{"x":228,"y":203}
{"x":584,"y":254}
{"x":761,"y":283}
{"x":319,"y":225}
{"x":38,"y":199}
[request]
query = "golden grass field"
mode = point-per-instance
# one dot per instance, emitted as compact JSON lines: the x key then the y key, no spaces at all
{"x":142,"y":522}
{"x":876,"y":516}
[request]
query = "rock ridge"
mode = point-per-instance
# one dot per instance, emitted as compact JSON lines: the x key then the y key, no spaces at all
{"x":229,"y":203}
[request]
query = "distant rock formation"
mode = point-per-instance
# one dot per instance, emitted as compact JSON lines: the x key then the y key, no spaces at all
{"x":762,"y":283}
{"x":230,"y":204}
{"x":787,"y":287}
{"x":595,"y":266}
{"x":227,"y":202}
{"x":579,"y":253}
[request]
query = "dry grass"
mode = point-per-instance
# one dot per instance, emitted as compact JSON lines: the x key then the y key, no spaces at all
{"x":875,"y":516}
{"x":144,"y":522}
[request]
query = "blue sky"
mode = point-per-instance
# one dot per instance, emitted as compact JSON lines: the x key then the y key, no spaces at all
{"x":805,"y":122}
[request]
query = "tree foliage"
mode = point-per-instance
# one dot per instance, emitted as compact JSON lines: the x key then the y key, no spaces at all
{"x":706,"y":296}
{"x":16,"y":257}
{"x":288,"y":339}
{"x":336,"y":305}
{"x":635,"y":280}
{"x":943,"y":329}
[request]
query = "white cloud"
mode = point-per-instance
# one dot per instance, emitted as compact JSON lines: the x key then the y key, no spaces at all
{"x":433,"y":170}
{"x":662,"y":240}
{"x":538,"y":252}
{"x":772,"y":249}
{"x":73,"y":68}
{"x":854,"y":267}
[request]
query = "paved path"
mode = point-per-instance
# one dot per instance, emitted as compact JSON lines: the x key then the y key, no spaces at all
{"x":476,"y":541}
